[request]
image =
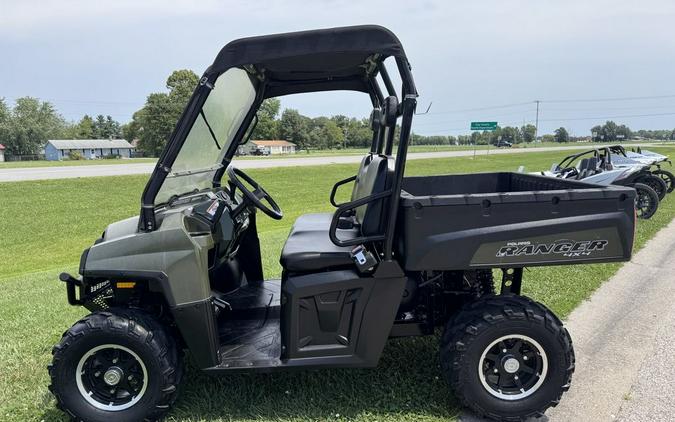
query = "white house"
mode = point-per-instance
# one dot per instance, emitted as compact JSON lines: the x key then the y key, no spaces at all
{"x":2,"y":153}
{"x":276,"y":147}
{"x":60,"y":149}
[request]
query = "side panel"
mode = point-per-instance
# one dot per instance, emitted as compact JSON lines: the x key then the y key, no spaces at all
{"x":512,"y":220}
{"x":170,"y":261}
{"x":337,"y":318}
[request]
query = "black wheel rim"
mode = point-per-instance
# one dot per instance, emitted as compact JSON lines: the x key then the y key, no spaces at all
{"x":111,"y":377}
{"x":658,"y":187}
{"x":513,"y":367}
{"x":644,"y":203}
{"x":667,"y":179}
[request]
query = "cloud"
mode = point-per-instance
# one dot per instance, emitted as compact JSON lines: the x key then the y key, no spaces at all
{"x":19,"y":17}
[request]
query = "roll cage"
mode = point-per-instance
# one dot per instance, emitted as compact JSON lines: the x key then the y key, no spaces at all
{"x":349,"y":58}
{"x":603,"y":155}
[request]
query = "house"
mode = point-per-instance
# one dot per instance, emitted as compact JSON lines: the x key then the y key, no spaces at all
{"x":60,"y":149}
{"x":275,"y":146}
{"x":2,"y":153}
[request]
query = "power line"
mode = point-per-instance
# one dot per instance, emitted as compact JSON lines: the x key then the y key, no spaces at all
{"x":483,"y":108}
{"x":426,"y":122}
{"x":592,"y":100}
{"x":564,"y":119}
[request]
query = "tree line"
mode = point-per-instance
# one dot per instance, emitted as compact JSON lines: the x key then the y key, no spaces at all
{"x":29,"y":123}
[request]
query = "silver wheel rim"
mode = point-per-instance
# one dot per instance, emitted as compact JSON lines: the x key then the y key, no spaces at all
{"x":511,"y":366}
{"x":88,"y":394}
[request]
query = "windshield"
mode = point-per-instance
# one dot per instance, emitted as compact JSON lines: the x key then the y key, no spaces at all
{"x":211,"y":135}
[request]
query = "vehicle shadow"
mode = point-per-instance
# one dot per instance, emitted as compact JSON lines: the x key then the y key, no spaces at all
{"x":407,"y":383}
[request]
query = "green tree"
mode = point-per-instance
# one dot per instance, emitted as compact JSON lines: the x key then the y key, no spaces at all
{"x":4,"y":121}
{"x":84,"y":129}
{"x":295,"y":127}
{"x":611,"y":132}
{"x":597,"y":134}
{"x":561,"y":135}
{"x":528,"y":133}
{"x":548,"y":138}
{"x":105,"y":127}
{"x":31,"y":122}
{"x":268,"y":126}
{"x":153,"y":124}
{"x":333,"y":135}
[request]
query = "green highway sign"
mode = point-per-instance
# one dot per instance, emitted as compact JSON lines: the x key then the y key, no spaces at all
{"x":483,"y":125}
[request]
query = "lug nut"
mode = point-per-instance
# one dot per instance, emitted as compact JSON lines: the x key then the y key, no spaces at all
{"x":524,"y":357}
{"x":97,"y":374}
{"x":503,"y":350}
{"x":496,"y":370}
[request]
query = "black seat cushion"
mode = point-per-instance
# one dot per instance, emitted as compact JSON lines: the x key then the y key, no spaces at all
{"x":308,"y":247}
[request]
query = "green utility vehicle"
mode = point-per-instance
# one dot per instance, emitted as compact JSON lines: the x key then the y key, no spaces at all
{"x":405,"y":256}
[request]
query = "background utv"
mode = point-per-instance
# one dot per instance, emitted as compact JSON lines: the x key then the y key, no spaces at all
{"x":402,"y":257}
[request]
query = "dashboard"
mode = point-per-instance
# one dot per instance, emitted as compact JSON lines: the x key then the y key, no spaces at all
{"x":217,"y":214}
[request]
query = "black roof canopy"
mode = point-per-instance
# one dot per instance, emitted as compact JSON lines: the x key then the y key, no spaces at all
{"x":325,"y":59}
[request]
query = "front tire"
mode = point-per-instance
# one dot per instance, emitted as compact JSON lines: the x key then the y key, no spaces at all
{"x":507,"y":358}
{"x":656,"y":183}
{"x":115,"y":366}
{"x":667,"y":177}
{"x":646,"y":201}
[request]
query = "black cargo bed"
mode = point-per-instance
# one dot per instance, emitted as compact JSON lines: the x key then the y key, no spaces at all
{"x":511,"y":220}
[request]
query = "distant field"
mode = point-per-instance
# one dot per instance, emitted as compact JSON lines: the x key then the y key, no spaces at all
{"x":300,"y":154}
{"x":46,"y":224}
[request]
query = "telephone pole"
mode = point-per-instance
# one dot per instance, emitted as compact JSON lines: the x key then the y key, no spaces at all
{"x":536,"y":122}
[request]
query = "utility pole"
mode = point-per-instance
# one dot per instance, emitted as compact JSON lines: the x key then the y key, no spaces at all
{"x":536,"y":122}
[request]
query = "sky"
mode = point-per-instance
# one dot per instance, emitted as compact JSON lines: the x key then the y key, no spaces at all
{"x":484,"y":60}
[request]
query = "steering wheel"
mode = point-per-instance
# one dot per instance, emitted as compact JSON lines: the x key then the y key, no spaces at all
{"x":569,"y":172}
{"x":257,"y":196}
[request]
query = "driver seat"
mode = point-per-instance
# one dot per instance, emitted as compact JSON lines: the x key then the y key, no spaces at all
{"x":309,"y":247}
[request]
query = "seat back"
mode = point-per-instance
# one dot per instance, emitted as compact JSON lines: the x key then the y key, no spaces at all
{"x":376,"y":174}
{"x":359,"y":191}
{"x":376,"y":179}
{"x":583,"y":168}
{"x":592,"y":166}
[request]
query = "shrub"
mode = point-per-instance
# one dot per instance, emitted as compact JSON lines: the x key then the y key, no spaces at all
{"x":74,"y":155}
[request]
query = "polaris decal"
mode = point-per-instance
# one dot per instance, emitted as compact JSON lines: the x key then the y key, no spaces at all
{"x":568,"y":248}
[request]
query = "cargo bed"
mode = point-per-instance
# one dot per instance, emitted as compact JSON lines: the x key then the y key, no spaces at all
{"x":499,"y":220}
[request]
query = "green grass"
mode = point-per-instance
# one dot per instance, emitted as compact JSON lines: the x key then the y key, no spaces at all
{"x":68,"y":163}
{"x":45,"y":225}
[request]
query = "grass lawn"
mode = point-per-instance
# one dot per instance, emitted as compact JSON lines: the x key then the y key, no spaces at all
{"x":65,"y":163}
{"x":46,"y":224}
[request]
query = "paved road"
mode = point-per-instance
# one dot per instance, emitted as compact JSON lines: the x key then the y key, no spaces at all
{"x":624,"y":339}
{"x":67,"y":172}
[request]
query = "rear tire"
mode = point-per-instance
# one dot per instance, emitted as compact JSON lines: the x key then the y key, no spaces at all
{"x":507,"y":358}
{"x":656,"y":183}
{"x":120,"y":366}
{"x":667,"y":177}
{"x":646,"y":201}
